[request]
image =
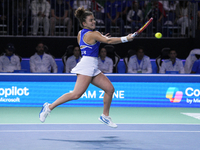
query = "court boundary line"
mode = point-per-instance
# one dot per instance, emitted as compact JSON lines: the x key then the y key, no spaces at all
{"x":99,"y":123}
{"x":109,"y":74}
{"x":149,"y":131}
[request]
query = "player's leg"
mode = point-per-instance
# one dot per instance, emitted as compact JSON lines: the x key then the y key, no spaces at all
{"x":104,"y":83}
{"x":81,"y":86}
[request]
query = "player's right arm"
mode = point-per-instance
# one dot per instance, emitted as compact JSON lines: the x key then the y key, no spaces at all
{"x":97,"y":36}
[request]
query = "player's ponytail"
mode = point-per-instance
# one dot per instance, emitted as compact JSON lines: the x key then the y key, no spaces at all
{"x":81,"y":13}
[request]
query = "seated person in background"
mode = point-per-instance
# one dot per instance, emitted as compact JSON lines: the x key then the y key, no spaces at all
{"x":113,"y":10}
{"x":40,"y":11}
{"x":196,"y":67}
{"x":105,"y":63}
{"x":183,"y":14}
{"x":139,"y":63}
{"x":154,"y":9}
{"x":59,"y":15}
{"x":126,"y":6}
{"x":135,"y":17}
{"x":9,"y":61}
{"x":172,"y":64}
{"x":73,"y":60}
{"x":41,"y":62}
{"x":21,"y":17}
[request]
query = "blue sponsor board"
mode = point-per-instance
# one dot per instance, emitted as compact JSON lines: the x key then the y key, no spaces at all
{"x":32,"y":90}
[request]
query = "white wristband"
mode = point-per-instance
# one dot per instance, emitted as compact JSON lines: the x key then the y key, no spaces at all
{"x":124,"y":39}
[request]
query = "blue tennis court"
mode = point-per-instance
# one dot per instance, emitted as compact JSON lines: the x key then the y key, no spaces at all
{"x":78,"y":128}
{"x":143,"y":107}
{"x":99,"y":136}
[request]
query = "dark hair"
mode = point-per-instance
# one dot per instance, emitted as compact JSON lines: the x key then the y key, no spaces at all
{"x":40,"y":43}
{"x":172,"y":50}
{"x":76,"y":46}
{"x":139,"y":47}
{"x":81,"y":13}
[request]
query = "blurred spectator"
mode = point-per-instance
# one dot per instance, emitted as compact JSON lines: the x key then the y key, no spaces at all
{"x":192,"y":57}
{"x":99,"y":12}
{"x":73,"y":60}
{"x":40,"y":12}
{"x":172,"y":64}
{"x":3,"y":12}
{"x":135,"y":17}
{"x":170,"y":10}
{"x":7,"y":16}
{"x":113,"y":10}
{"x":198,"y":16}
{"x":41,"y":62}
{"x":125,"y":7}
{"x":196,"y":67}
{"x":102,"y":3}
{"x":60,"y":15}
{"x":139,"y":63}
{"x":155,"y":9}
{"x":9,"y":61}
{"x":183,"y":13}
{"x":169,"y":6}
{"x":105,"y":63}
{"x":21,"y":17}
{"x":85,"y":3}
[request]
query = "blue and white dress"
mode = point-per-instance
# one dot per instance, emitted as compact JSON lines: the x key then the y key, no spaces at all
{"x":88,"y":64}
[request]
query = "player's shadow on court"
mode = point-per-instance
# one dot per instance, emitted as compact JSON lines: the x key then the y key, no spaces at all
{"x":111,"y":142}
{"x":111,"y":139}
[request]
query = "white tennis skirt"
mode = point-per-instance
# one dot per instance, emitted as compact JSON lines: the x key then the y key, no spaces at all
{"x":87,"y":66}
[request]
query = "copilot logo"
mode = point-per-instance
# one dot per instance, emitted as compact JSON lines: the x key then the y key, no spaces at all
{"x":13,"y":94}
{"x":174,"y":95}
{"x":14,"y":91}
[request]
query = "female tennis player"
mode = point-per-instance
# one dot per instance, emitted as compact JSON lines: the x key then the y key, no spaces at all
{"x":87,"y":69}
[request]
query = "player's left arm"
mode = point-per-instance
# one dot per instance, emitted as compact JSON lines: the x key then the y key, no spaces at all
{"x":97,"y":36}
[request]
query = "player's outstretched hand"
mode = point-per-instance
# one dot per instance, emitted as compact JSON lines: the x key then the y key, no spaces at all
{"x":130,"y":37}
{"x":106,"y":35}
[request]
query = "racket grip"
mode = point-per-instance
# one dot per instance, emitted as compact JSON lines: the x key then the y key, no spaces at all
{"x":134,"y":34}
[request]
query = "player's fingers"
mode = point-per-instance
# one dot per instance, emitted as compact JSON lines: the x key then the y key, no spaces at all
{"x":107,"y":34}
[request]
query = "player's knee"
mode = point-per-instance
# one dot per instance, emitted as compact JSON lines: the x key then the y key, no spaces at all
{"x":110,"y":91}
{"x":76,"y":96}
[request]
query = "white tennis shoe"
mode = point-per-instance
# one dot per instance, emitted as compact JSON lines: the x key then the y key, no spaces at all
{"x":44,"y":112}
{"x":107,"y":120}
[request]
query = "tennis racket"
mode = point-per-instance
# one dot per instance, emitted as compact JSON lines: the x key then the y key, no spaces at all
{"x":142,"y":28}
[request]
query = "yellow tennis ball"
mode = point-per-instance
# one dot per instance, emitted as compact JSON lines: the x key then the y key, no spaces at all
{"x":158,"y":35}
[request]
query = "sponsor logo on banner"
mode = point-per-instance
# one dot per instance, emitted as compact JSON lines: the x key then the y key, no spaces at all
{"x":174,"y":95}
{"x":13,"y":94}
{"x":193,"y":95}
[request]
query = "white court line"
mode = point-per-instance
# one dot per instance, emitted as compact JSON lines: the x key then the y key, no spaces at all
{"x":1,"y":124}
{"x":148,"y":131}
{"x":109,"y":74}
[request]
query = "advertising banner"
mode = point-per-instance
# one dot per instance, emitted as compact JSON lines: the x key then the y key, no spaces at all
{"x":127,"y":94}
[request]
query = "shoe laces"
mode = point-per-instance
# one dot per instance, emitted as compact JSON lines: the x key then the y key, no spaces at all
{"x":108,"y":117}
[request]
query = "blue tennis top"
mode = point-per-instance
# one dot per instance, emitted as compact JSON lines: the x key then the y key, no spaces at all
{"x":87,"y":49}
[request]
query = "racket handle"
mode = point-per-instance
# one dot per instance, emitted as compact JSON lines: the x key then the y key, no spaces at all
{"x":134,"y":34}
